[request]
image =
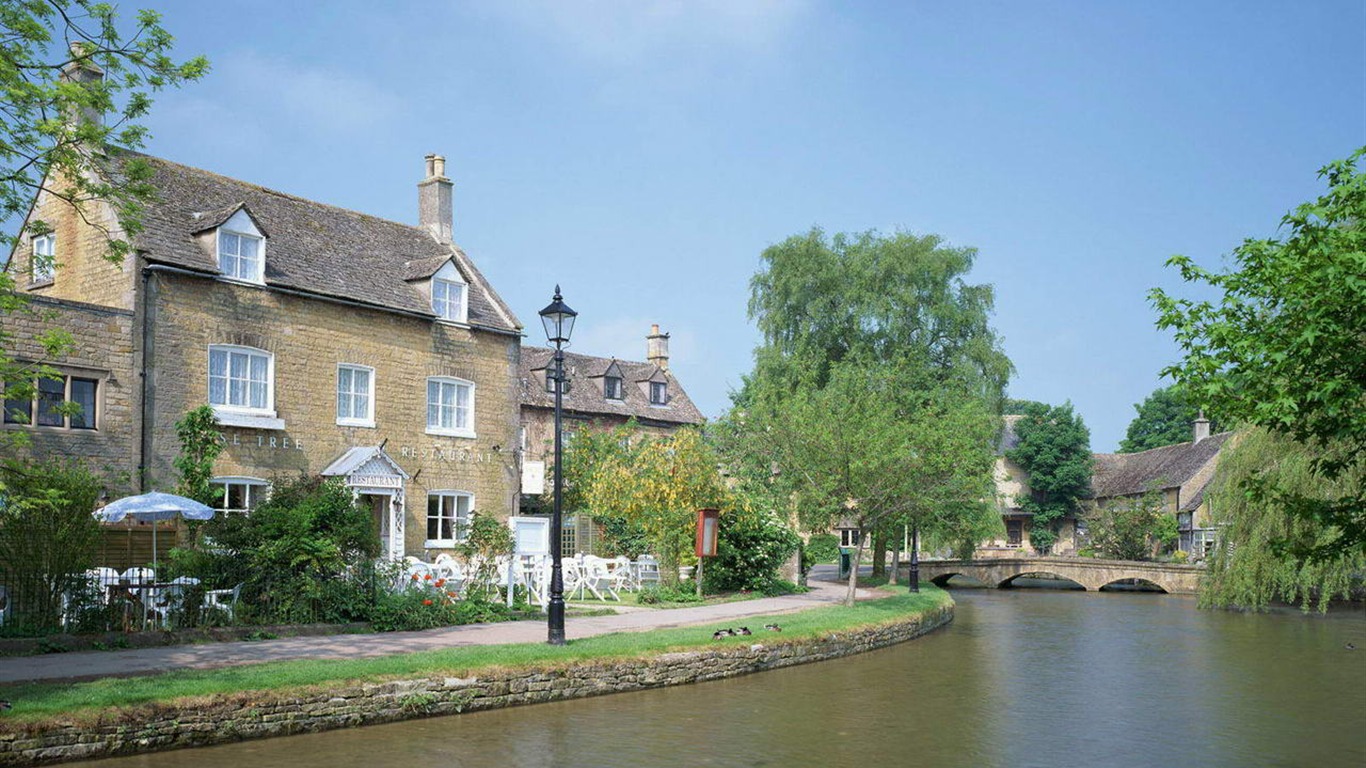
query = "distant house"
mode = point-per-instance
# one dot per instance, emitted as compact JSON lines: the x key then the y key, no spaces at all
{"x":1180,"y":473}
{"x":601,"y":392}
{"x":1012,"y":487}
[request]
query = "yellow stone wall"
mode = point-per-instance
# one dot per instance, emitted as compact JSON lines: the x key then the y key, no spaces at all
{"x":83,"y":271}
{"x":309,"y":338}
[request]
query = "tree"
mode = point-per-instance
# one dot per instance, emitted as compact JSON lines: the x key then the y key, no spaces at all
{"x":1164,"y":418}
{"x":875,"y":391}
{"x":1246,"y":573}
{"x":200,"y":445}
{"x":659,"y":483}
{"x":1283,"y":349}
{"x":1132,"y":529}
{"x":50,"y":54}
{"x":1055,"y":449}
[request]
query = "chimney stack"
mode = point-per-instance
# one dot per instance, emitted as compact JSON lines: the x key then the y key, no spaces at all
{"x":1201,"y":427}
{"x":657,"y":347}
{"x":434,"y":200}
{"x":82,"y":71}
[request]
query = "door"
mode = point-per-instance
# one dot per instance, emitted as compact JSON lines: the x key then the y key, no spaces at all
{"x":379,"y":506}
{"x":1014,"y":533}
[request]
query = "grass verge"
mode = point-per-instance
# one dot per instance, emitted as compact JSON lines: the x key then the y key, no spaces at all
{"x":36,"y":704}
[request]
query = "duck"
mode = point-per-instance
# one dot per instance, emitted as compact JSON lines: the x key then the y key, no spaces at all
{"x":5,"y":705}
{"x":1349,"y":647}
{"x":745,"y":631}
{"x":719,"y":634}
{"x":773,"y":628}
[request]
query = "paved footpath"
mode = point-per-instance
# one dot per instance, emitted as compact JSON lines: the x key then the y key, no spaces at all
{"x":86,"y":665}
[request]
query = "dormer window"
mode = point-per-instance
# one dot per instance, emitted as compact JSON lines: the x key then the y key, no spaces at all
{"x":43,"y":266}
{"x":448,"y":300}
{"x":241,"y":249}
{"x":612,"y":388}
{"x":659,"y":393}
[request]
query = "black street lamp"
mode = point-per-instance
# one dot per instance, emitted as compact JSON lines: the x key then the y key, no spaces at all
{"x":558,"y":319}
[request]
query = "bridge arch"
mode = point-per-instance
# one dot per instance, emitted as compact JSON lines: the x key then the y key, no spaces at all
{"x":1141,"y":581}
{"x":1008,"y":582}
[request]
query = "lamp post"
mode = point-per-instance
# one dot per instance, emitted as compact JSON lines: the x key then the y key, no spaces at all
{"x":558,"y":320}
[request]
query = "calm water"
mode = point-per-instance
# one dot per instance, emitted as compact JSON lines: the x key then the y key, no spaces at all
{"x":1021,"y":678}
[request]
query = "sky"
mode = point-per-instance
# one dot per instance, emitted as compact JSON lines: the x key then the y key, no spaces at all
{"x":643,"y":154}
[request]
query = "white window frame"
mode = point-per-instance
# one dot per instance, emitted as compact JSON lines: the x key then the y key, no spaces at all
{"x":663,"y":392}
{"x":46,"y":247}
{"x":259,"y":277}
{"x":434,"y":427}
{"x":443,"y":308}
{"x":227,"y":407}
{"x":258,"y":489}
{"x":367,"y":420}
{"x":460,"y":531}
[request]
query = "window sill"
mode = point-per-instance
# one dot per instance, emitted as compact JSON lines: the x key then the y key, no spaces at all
{"x":268,"y":420}
{"x":450,"y":433}
{"x":456,"y":323}
{"x":48,"y":283}
{"x":355,"y":423}
{"x":440,"y":544}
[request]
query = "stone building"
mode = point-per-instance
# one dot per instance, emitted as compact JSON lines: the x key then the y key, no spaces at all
{"x":1179,"y":474}
{"x":1012,"y":486}
{"x":602,"y":392}
{"x":327,"y":342}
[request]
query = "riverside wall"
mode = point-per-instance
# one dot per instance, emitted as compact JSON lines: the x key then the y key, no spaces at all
{"x":255,"y":715}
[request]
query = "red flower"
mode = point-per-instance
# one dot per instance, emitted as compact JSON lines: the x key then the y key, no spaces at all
{"x":414,"y":577}
{"x":428,"y":577}
{"x":439,"y":583}
{"x":426,"y":602}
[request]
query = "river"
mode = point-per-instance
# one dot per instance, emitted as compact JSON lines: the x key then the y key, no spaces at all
{"x":1021,"y":678}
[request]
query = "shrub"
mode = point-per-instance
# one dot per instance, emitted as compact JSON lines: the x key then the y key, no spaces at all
{"x":48,"y":539}
{"x":426,"y":604}
{"x":753,"y":545}
{"x":823,"y":547}
{"x":305,"y":555}
{"x":489,"y":538}
{"x":655,"y":594}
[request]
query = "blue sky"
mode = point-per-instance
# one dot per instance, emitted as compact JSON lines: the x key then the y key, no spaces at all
{"x":642,"y":154}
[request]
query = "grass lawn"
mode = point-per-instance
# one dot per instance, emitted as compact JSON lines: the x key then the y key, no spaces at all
{"x":80,"y":701}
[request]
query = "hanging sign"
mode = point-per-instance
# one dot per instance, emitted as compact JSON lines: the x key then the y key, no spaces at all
{"x":707,"y":526}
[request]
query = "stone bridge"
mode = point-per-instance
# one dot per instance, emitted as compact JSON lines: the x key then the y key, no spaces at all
{"x":1089,"y":573}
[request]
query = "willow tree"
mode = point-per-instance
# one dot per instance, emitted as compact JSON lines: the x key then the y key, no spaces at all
{"x":1243,"y":570}
{"x":658,"y":484}
{"x":1282,"y":349}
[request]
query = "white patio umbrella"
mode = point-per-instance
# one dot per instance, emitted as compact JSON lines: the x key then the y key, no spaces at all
{"x":154,"y":506}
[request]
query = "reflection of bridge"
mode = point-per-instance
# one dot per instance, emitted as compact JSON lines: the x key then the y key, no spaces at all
{"x":1089,"y":573}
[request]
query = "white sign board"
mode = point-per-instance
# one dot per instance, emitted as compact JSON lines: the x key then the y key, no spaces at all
{"x":530,"y":535}
{"x":533,"y":477}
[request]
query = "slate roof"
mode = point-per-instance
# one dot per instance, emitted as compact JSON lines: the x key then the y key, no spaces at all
{"x":311,"y":246}
{"x":585,"y":393}
{"x":1122,"y":474}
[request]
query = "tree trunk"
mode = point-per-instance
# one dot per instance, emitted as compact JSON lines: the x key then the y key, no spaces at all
{"x":896,"y":558}
{"x":853,"y":569}
{"x":879,"y":554}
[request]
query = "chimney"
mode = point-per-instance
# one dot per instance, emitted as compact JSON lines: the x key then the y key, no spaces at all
{"x":82,"y":71}
{"x":657,"y":347}
{"x":434,"y":200}
{"x":1201,"y":427}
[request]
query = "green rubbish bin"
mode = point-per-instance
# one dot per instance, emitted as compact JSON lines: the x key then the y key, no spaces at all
{"x":846,"y":561}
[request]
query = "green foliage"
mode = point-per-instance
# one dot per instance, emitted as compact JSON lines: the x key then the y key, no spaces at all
{"x":823,"y":547}
{"x":753,"y":544}
{"x":45,"y":148}
{"x":200,"y":445}
{"x":428,"y":607}
{"x":592,"y":450}
{"x":658,"y":484}
{"x":48,"y":539}
{"x":875,"y":392}
{"x":1243,"y":571}
{"x":1132,"y":529}
{"x":654,"y":594}
{"x":489,"y":538}
{"x":303,"y":555}
{"x":1164,"y":418}
{"x":1055,"y":450}
{"x":1282,"y":349}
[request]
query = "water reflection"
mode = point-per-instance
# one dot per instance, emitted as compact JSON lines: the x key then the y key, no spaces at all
{"x":1022,"y":678}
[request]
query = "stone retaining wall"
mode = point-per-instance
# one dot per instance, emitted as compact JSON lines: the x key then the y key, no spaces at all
{"x":251,"y":716}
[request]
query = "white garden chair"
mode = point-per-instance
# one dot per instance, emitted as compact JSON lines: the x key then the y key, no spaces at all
{"x":647,"y":570}
{"x":223,"y":600}
{"x":139,"y":576}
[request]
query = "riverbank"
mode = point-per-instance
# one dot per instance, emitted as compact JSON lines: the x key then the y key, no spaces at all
{"x":57,"y":722}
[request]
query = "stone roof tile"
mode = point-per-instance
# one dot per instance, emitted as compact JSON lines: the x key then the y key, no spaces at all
{"x":1124,"y":474}
{"x":586,"y":396}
